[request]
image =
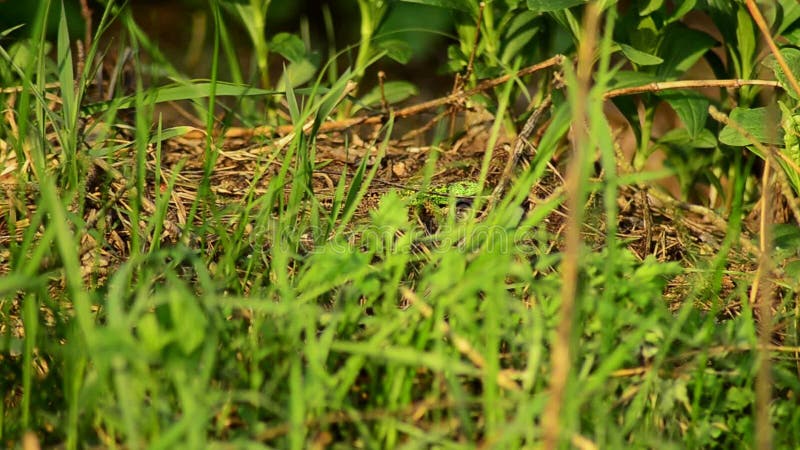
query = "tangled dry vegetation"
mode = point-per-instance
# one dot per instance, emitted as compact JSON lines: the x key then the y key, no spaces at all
{"x":651,"y":221}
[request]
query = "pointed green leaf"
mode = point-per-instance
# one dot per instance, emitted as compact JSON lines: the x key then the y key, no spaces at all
{"x":289,"y":46}
{"x":685,"y":7}
{"x":680,"y":137}
{"x":792,"y":57}
{"x":552,"y":5}
{"x":459,"y":5}
{"x":396,"y":49}
{"x":639,"y":57}
{"x":681,"y":48}
{"x":298,"y":73}
{"x":651,"y":7}
{"x":691,"y":107}
{"x":760,"y":123}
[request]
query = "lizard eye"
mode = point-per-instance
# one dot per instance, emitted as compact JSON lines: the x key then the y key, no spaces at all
{"x":463,"y":206}
{"x":463,"y":203}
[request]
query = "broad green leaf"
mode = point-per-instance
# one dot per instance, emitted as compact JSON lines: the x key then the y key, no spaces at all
{"x":792,"y":57}
{"x":541,"y":6}
{"x":394,"y":91}
{"x":396,"y":49}
{"x":151,"y":335}
{"x":459,"y":5}
{"x":681,"y":48}
{"x":685,"y":7}
{"x":456,"y":59}
{"x":792,"y":269}
{"x":289,"y":46}
{"x":298,"y":73}
{"x":786,"y":237}
{"x":651,"y":7}
{"x":790,"y":123}
{"x":639,"y":57}
{"x":680,"y":137}
{"x":760,"y":123}
{"x":791,"y":14}
{"x":22,"y":53}
{"x":737,"y":398}
{"x":746,"y":40}
{"x":690,"y":106}
{"x":646,"y":35}
{"x":520,"y":33}
{"x":793,"y":36}
{"x":628,"y":78}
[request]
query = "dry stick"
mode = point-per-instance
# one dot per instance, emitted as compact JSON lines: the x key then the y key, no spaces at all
{"x":687,"y":84}
{"x":764,"y":28}
{"x":763,"y":376}
{"x":648,"y":222}
{"x":560,"y":354}
{"x":381,"y":81}
{"x":763,"y":428}
{"x":404,"y":112}
{"x":763,"y":241}
{"x":423,"y":129}
{"x":520,"y":143}
{"x":763,"y":379}
{"x":20,"y":88}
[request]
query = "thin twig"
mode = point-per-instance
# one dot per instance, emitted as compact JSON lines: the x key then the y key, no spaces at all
{"x":763,"y":376}
{"x":687,"y":84}
{"x":404,"y":112}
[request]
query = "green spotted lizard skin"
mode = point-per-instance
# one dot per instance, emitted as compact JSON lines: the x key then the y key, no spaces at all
{"x":432,"y":206}
{"x":461,"y":191}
